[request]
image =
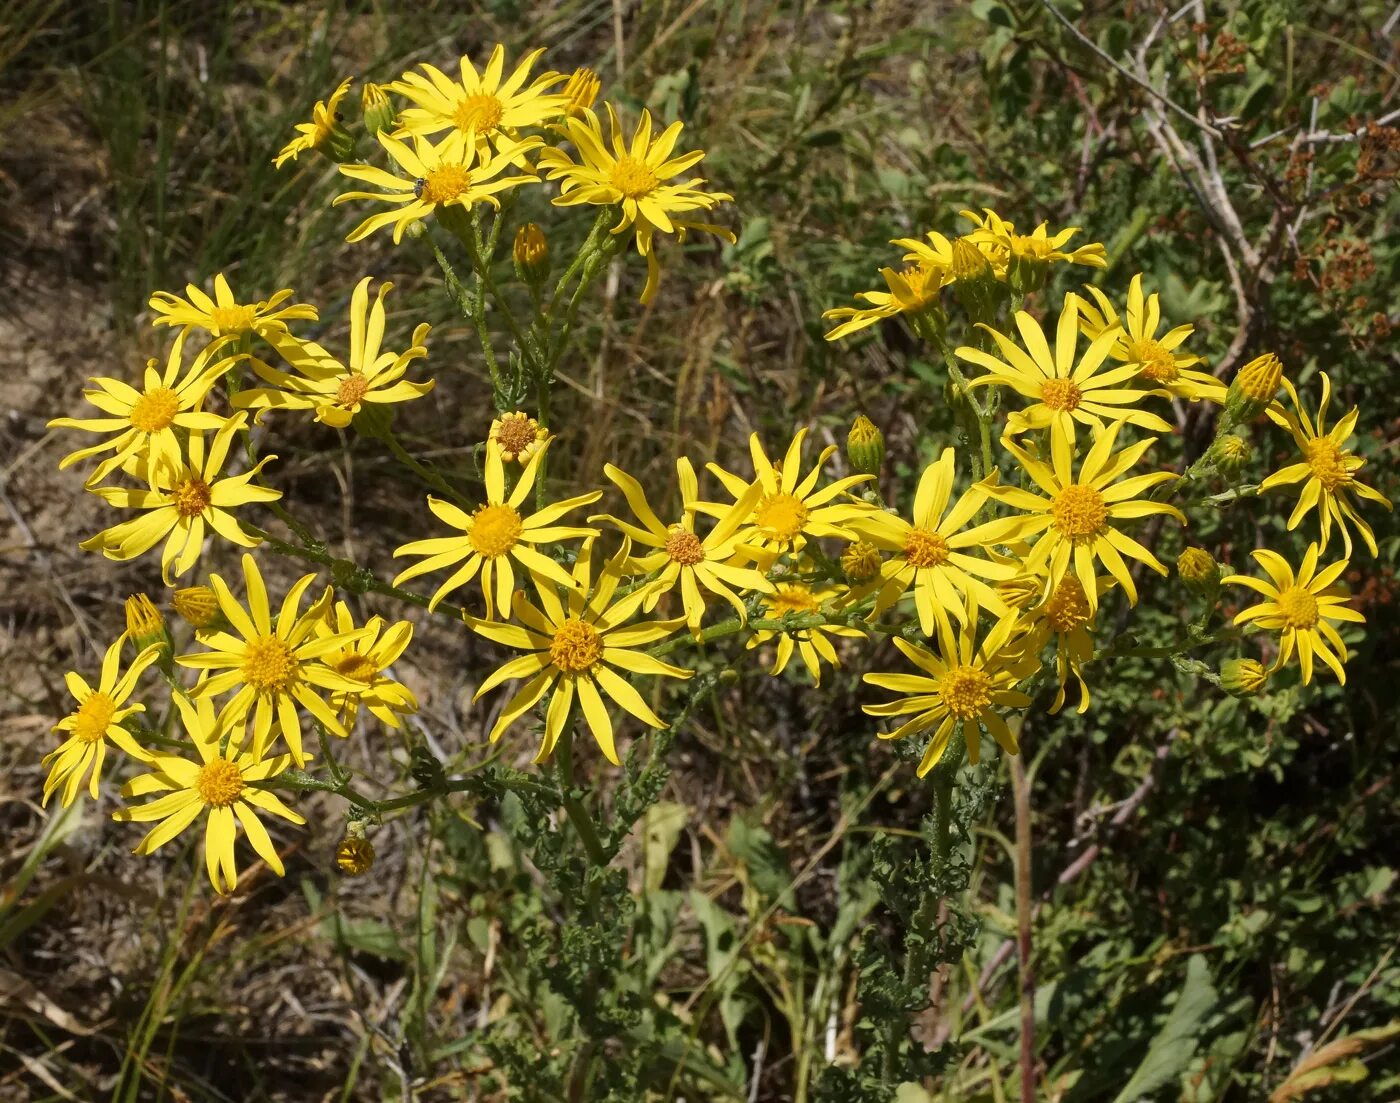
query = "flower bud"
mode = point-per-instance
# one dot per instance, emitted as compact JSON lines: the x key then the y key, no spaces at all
{"x":860,"y":561}
{"x":1243,"y":677}
{"x":378,"y":113}
{"x":531,"y":254}
{"x":1253,"y":388}
{"x":582,"y":91}
{"x":354,"y":855}
{"x":1026,"y":269}
{"x":144,"y":624}
{"x":975,"y":281}
{"x":198,"y":606}
{"x":1020,"y":590}
{"x":865,"y":446}
{"x":1197,"y":568}
{"x":1230,"y":453}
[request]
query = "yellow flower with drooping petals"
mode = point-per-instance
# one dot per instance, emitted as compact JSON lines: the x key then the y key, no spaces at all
{"x":913,"y":291}
{"x":1062,"y":391}
{"x":223,"y":315}
{"x":1328,"y":468}
{"x":808,"y":642}
{"x":325,"y":122}
{"x":225,"y":784}
{"x":635,"y":179}
{"x":182,"y":499}
{"x":494,"y":534}
{"x":577,"y":640}
{"x":1301,"y":608}
{"x":1032,"y":253}
{"x":1076,"y":519}
{"x":1066,"y":616}
{"x":367,"y":653}
{"x":97,"y":719}
{"x":337,"y":391}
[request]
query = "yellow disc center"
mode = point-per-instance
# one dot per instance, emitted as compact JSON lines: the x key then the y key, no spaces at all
{"x":684,"y":547}
{"x":925,"y":549}
{"x":861,"y":561}
{"x":351,"y":664}
{"x":269,"y":665}
{"x":576,"y":646}
{"x":794,"y":598}
{"x":233,"y":319}
{"x":191,"y":496}
{"x":495,"y":529}
{"x":515,"y":434}
{"x":633,"y":178}
{"x":1060,"y":394}
{"x":1298,"y":606}
{"x":445,"y":184}
{"x":1068,"y":608}
{"x":780,"y":516}
{"x":481,"y":112}
{"x":352,"y":388}
{"x":1325,"y":459}
{"x":219,"y":783}
{"x":1156,"y":363}
{"x":1079,"y":511}
{"x":154,"y":410}
{"x":94,"y":718}
{"x":966,"y":691}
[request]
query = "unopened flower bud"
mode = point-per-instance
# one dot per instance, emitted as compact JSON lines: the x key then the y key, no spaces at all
{"x":378,"y":113}
{"x":975,"y":281}
{"x":1230,"y":453}
{"x":969,"y":262}
{"x":1243,"y":677}
{"x":198,"y":606}
{"x":1027,"y":268}
{"x":582,"y":90}
{"x":1020,"y":590}
{"x":1197,"y":568}
{"x":865,"y":446}
{"x":144,"y":624}
{"x":531,"y":254}
{"x":861,"y":561}
{"x":1253,"y":388}
{"x":354,"y":855}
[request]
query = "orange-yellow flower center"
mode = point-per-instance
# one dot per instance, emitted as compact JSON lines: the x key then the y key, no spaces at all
{"x":219,"y":783}
{"x":966,"y":691}
{"x":861,"y":561}
{"x":495,"y":529}
{"x":351,"y":664}
{"x":1078,"y":511}
{"x":269,"y":665}
{"x":1298,"y":606}
{"x":233,"y":319}
{"x":481,"y":112}
{"x":191,"y":496}
{"x":576,"y":646}
{"x":1060,"y":394}
{"x":780,"y":516}
{"x":923,"y":548}
{"x":1156,"y":363}
{"x":1325,"y":459}
{"x":94,"y":716}
{"x":352,"y":388}
{"x":1067,"y":608}
{"x":794,"y":598}
{"x":515,"y":433}
{"x":633,"y":177}
{"x":445,"y":184}
{"x":684,"y":547}
{"x":154,"y":410}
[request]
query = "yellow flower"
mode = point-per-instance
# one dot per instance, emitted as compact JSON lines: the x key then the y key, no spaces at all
{"x":809,"y":642}
{"x":1031,"y":253}
{"x":913,"y":291}
{"x":966,"y":683}
{"x":633,"y":178}
{"x":436,"y":179}
{"x":518,"y":436}
{"x":1076,"y":517}
{"x":493,"y":535}
{"x":334,"y":390}
{"x":1067,"y":615}
{"x":1330,"y":470}
{"x":273,"y":666}
{"x":144,"y":423}
{"x":223,"y":783}
{"x":791,"y":509}
{"x":1062,"y":391}
{"x":930,"y":555}
{"x":363,"y":659}
{"x":224,"y":315}
{"x":98,"y":718}
{"x":581,"y":90}
{"x":481,"y":104}
{"x":198,"y":606}
{"x":318,"y":132}
{"x":1300,"y":608}
{"x":144,"y":623}
{"x":1159,"y":360}
{"x":576,"y":642}
{"x":682,"y":557}
{"x":183,"y":497}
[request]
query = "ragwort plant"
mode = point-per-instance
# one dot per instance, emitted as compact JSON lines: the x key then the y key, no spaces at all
{"x":991,"y":583}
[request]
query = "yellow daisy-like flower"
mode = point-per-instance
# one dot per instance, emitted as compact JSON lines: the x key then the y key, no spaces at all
{"x":315,"y":134}
{"x":684,"y":558}
{"x":1301,"y":608}
{"x":964,"y":683}
{"x":481,"y":104}
{"x":1076,"y":518}
{"x":144,"y":423}
{"x":1036,"y":250}
{"x":1066,"y":615}
{"x":581,"y":90}
{"x":97,"y":718}
{"x":931,"y":553}
{"x":334,"y":390}
{"x":436,"y":178}
{"x":810,"y":643}
{"x":1161,"y":361}
{"x":223,"y":315}
{"x":224,"y":784}
{"x":1328,"y":468}
{"x":635,"y":179}
{"x":791,"y":509}
{"x":183,"y":498}
{"x":493,"y":535}
{"x":274,"y":666}
{"x":1062,"y":392}
{"x":913,"y":291}
{"x":577,"y":642}
{"x":518,"y":436}
{"x":365,"y":656}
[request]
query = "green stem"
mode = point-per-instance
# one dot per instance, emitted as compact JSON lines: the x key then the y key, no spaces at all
{"x":426,"y":472}
{"x":578,"y":815}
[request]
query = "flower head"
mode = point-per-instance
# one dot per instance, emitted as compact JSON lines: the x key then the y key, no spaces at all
{"x":323,"y":132}
{"x":1023,"y":260}
{"x":518,"y":436}
{"x":913,"y":292}
{"x":363,"y":659}
{"x":223,"y":315}
{"x":1066,"y":616}
{"x":810,"y":642}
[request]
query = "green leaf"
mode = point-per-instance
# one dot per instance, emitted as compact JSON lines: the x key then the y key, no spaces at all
{"x":1172,"y":1049}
